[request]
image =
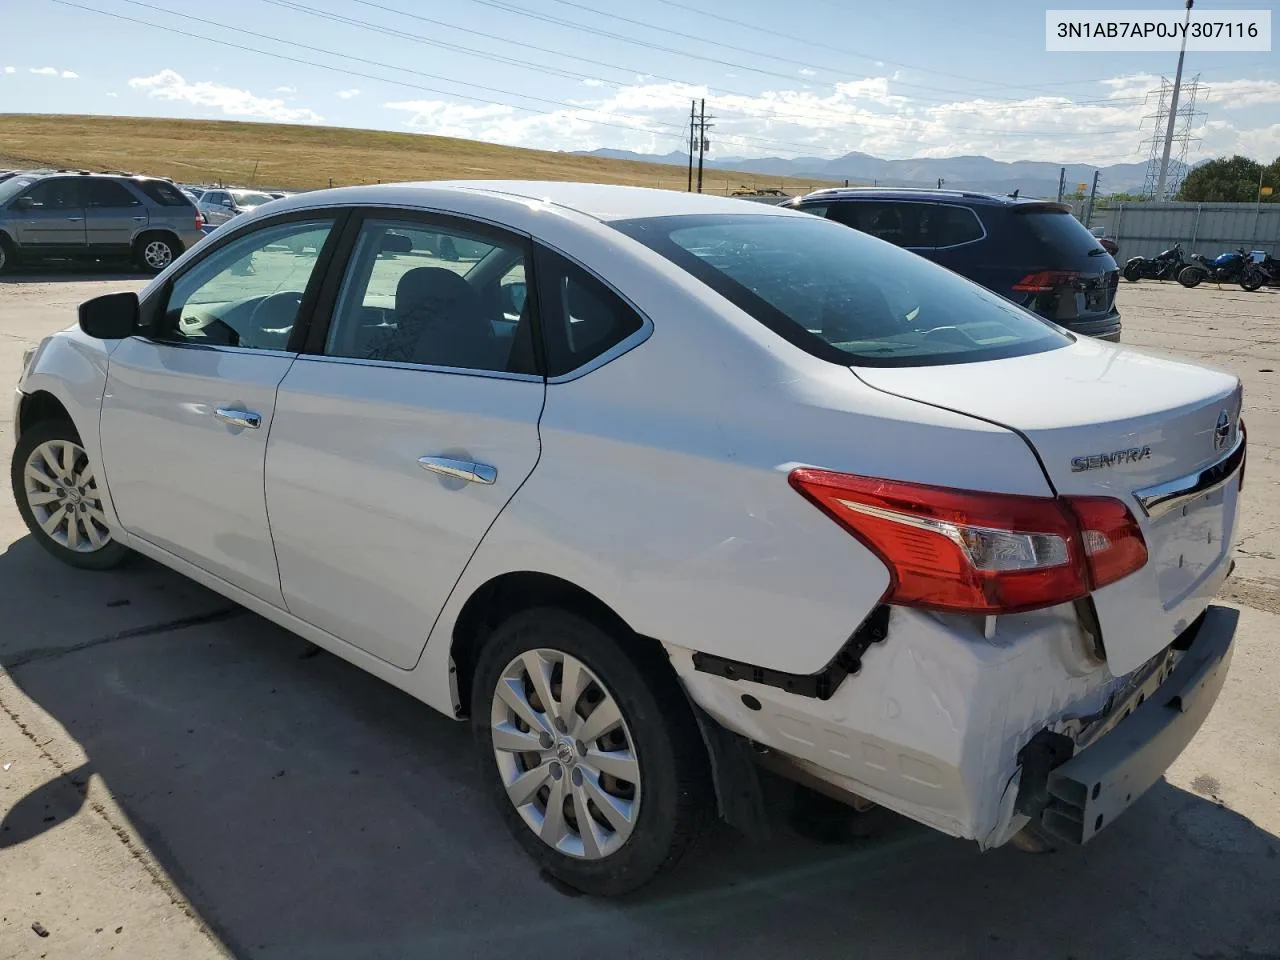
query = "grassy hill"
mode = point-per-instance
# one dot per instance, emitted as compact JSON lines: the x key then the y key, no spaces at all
{"x":288,"y":156}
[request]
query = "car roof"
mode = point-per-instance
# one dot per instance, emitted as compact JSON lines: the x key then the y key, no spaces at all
{"x":602,"y":201}
{"x":932,"y":196}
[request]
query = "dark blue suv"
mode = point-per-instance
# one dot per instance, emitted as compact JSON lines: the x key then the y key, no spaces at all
{"x":1032,"y":251}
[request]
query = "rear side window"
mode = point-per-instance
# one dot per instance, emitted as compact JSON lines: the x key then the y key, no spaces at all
{"x":844,"y":296}
{"x":902,"y":223}
{"x":957,"y":225}
{"x":165,"y":194}
{"x":582,"y":318}
{"x":107,"y":194}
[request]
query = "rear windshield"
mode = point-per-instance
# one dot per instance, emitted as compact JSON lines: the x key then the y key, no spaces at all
{"x":164,"y":193}
{"x":1057,"y":231}
{"x":842,"y":295}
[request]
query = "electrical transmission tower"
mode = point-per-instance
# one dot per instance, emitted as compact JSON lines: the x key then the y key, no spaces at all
{"x":1184,"y":122}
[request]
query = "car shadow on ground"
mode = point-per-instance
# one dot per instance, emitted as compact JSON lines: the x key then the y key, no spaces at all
{"x":71,"y":273}
{"x":305,"y":809}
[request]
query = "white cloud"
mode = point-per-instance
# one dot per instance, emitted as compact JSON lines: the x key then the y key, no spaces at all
{"x":10,"y":70}
{"x":113,"y":94}
{"x":806,"y":72}
{"x":866,"y":115}
{"x":170,"y":85}
{"x":592,"y":82}
{"x":44,"y":71}
{"x":69,"y":75}
{"x":285,"y":90}
{"x":349,"y":94}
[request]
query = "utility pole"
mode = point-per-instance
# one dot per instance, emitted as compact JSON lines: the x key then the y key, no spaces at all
{"x":1173,"y":109}
{"x":1088,"y":215}
{"x":692,"y":122}
{"x":1062,"y":183}
{"x":703,"y":143}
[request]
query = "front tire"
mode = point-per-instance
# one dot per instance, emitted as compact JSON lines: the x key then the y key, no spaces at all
{"x":590,"y":750}
{"x":7,"y":256}
{"x":1132,"y":272}
{"x":1252,"y":279}
{"x":58,"y":497}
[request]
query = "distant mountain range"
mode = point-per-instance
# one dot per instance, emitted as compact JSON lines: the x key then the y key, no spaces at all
{"x":1031,"y":177}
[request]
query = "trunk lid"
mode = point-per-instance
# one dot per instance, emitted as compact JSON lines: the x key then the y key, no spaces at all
{"x":1107,"y":421}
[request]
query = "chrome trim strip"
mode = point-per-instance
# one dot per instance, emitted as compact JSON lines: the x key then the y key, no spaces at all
{"x":420,"y":367}
{"x":1165,"y":497}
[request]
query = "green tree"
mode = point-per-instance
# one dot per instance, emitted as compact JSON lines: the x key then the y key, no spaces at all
{"x":1233,"y":180}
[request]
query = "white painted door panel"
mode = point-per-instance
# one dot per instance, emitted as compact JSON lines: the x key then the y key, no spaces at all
{"x":369,"y":542}
{"x":182,"y":478}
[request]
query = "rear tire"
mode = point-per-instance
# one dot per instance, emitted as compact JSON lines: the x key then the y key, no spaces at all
{"x":7,"y":255}
{"x":560,"y":779}
{"x":58,"y":497}
{"x":1191,"y":276}
{"x":153,"y":252}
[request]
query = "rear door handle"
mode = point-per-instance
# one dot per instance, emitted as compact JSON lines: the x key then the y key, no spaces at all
{"x":467,"y":470}
{"x":140,"y":219}
{"x":239,"y":418}
{"x":74,"y":219}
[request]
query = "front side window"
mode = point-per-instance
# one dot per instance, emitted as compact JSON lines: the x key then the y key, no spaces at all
{"x":247,"y":292}
{"x":436,"y":296}
{"x":60,"y":194}
{"x":107,"y":194}
{"x":844,"y":296}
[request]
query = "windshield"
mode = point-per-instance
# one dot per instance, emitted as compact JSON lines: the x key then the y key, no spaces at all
{"x":843,"y":295}
{"x":13,"y":186}
{"x":247,"y":198}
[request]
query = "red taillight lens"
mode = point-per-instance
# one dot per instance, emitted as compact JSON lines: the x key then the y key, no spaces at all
{"x":199,"y":220}
{"x":975,"y":552}
{"x":1113,"y":543}
{"x":1045,"y":281}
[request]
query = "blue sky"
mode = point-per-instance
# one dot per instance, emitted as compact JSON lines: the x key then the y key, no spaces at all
{"x":901,"y":78}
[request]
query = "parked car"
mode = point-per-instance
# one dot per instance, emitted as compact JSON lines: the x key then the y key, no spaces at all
{"x":1032,"y":251}
{"x":731,"y":484}
{"x":219,"y":205}
{"x":95,"y":216}
{"x":1107,"y":243}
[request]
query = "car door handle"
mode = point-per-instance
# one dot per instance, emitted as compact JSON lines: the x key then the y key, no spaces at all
{"x":140,"y":219}
{"x":460,"y":469}
{"x":239,"y":418}
{"x":74,"y":219}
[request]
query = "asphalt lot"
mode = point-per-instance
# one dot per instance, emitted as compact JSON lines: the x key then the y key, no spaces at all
{"x":186,"y":772}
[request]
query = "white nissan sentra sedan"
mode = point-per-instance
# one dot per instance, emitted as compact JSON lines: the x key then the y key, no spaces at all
{"x":653,"y":486}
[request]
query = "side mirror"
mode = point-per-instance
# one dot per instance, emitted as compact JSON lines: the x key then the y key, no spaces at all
{"x":113,"y":316}
{"x":23,"y":203}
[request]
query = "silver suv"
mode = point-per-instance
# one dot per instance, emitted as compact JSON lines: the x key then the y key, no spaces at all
{"x":46,"y":215}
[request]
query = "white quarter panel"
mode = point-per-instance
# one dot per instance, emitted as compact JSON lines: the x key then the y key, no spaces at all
{"x":369,"y":543}
{"x":180,"y":477}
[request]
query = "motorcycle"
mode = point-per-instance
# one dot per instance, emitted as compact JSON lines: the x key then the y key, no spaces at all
{"x":1258,"y":271}
{"x":1226,"y":268}
{"x":1164,"y":266}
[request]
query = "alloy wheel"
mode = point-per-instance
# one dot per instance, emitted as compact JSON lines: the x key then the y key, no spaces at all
{"x":157,"y":254}
{"x":63,"y":496}
{"x":565,"y":754}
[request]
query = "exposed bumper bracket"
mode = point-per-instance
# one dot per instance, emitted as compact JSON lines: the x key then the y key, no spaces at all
{"x":1085,"y":793}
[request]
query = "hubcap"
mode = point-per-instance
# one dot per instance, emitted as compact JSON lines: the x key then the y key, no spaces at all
{"x":63,"y":496}
{"x":157,"y":254}
{"x":565,"y":754}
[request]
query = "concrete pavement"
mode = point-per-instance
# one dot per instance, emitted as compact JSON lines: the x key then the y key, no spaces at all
{"x":217,"y":788}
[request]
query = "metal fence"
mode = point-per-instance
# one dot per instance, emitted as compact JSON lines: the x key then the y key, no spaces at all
{"x":1144,"y":229}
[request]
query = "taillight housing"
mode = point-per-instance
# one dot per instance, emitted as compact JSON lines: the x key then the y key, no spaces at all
{"x":199,"y":220}
{"x":1244,"y":457}
{"x":975,"y":552}
{"x":1045,"y":281}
